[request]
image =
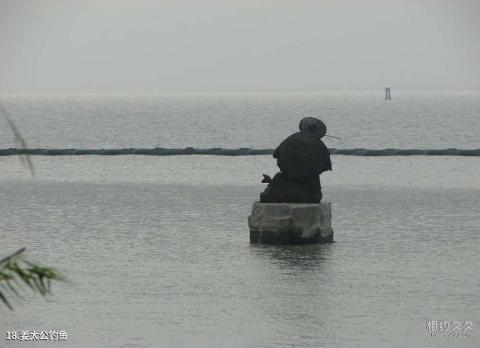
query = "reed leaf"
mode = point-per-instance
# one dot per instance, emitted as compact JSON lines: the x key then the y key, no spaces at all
{"x":20,"y":140}
{"x":15,"y":270}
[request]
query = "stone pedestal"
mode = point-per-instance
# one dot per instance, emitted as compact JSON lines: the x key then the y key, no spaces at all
{"x":290,"y":223}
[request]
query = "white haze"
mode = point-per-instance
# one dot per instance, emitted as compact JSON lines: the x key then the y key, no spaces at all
{"x":116,"y":46}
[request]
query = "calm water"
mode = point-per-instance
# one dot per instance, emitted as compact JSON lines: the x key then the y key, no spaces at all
{"x":157,"y":248}
{"x":410,"y":120}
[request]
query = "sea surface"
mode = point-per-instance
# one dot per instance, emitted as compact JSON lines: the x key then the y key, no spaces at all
{"x":156,"y":249}
{"x":362,"y":119}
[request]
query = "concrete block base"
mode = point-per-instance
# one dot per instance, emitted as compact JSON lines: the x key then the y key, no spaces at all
{"x":290,"y":223}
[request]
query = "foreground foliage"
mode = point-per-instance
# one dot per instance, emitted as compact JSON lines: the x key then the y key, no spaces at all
{"x":16,"y":271}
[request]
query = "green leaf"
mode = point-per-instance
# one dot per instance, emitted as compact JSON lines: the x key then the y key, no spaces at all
{"x":15,"y":270}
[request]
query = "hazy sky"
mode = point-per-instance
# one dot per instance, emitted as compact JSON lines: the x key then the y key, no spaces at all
{"x":237,"y":45}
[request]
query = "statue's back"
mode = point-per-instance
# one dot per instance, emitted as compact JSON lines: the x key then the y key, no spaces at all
{"x":301,"y":157}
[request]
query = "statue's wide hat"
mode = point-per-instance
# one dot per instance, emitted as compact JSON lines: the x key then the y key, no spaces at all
{"x":313,"y":126}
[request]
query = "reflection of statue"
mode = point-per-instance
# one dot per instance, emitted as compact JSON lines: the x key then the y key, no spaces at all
{"x":302,"y":157}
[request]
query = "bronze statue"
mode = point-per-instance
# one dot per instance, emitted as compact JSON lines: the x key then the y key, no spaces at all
{"x":302,"y":157}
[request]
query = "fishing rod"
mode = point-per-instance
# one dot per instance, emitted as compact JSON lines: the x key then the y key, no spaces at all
{"x":332,"y":136}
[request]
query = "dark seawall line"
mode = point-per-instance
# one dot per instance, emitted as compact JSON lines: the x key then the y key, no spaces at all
{"x":232,"y":152}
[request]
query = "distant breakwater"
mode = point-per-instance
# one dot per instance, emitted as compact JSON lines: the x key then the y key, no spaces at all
{"x":232,"y":152}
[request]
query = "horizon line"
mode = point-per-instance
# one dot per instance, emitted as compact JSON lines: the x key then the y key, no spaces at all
{"x":293,"y":91}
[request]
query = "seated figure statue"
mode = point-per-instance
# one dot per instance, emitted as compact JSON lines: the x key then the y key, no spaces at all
{"x":302,"y":157}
